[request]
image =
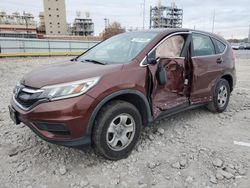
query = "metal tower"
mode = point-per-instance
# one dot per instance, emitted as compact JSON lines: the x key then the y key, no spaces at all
{"x":166,"y":17}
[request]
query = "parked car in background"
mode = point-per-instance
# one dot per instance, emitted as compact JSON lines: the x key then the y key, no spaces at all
{"x":106,"y":95}
{"x":241,"y":47}
{"x":247,"y":47}
{"x":234,"y":47}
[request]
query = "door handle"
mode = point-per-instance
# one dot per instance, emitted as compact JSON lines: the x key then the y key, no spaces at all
{"x":219,"y":60}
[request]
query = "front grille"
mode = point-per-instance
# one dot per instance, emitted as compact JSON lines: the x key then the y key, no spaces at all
{"x":27,"y":97}
{"x":25,"y":100}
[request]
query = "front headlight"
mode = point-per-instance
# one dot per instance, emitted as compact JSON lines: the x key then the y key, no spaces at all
{"x":68,"y":90}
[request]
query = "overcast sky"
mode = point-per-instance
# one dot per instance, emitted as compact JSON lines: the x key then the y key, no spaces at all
{"x":232,"y":17}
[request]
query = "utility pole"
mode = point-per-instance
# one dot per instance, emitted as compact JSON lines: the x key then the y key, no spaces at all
{"x":213,"y":21}
{"x":144,"y":13}
{"x":249,"y":35}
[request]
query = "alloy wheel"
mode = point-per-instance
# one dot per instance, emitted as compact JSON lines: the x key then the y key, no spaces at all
{"x":121,"y":132}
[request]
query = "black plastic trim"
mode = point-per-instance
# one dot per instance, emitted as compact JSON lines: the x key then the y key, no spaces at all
{"x":178,"y":109}
{"x":59,"y":129}
{"x":86,"y":140}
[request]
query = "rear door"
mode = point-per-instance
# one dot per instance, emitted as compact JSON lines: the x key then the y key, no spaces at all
{"x":206,"y":68}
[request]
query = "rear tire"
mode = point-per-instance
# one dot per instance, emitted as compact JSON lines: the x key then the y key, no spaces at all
{"x":220,"y":97}
{"x":116,"y":130}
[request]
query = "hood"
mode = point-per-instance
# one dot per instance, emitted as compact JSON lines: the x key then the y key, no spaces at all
{"x":66,"y":72}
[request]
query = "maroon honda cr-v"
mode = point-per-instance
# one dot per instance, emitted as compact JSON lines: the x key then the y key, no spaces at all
{"x":106,"y":95}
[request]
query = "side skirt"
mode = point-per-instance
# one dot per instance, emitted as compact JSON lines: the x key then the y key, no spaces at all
{"x":178,"y":109}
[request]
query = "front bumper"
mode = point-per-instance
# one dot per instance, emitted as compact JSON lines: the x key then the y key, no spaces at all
{"x":62,"y":122}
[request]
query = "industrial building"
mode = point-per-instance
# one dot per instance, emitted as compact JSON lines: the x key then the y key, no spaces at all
{"x":83,"y":27}
{"x":41,"y":26}
{"x":55,"y":17}
{"x":166,"y":16}
{"x":17,"y":25}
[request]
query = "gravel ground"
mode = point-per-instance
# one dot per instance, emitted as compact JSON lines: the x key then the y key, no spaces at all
{"x":192,"y":149}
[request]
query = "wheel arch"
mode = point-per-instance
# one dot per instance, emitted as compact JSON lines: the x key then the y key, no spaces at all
{"x":228,"y":77}
{"x":132,"y":96}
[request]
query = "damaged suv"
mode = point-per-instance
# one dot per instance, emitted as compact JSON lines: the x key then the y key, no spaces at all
{"x":106,"y":95}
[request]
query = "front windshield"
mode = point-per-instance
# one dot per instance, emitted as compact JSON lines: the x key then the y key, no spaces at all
{"x":119,"y":49}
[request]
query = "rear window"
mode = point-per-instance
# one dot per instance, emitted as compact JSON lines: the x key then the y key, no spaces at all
{"x":220,"y":45}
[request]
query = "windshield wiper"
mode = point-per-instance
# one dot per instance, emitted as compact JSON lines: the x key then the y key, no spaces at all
{"x":95,"y":61}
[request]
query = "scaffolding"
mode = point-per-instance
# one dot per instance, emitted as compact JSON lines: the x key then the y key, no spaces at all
{"x":17,"y":25}
{"x":17,"y":19}
{"x":166,"y":17}
{"x":83,"y":27}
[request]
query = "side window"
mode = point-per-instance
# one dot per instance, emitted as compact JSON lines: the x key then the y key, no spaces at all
{"x":172,"y":47}
{"x":202,"y":45}
{"x":220,"y":45}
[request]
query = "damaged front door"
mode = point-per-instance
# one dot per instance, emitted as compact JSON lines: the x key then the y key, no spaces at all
{"x":169,"y":58}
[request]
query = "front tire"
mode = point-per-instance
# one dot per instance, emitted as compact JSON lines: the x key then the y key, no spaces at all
{"x":221,"y":97}
{"x":116,"y":130}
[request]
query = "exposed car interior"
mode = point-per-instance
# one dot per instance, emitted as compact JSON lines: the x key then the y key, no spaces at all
{"x":171,"y":63}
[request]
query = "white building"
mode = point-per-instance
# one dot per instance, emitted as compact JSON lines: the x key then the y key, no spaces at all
{"x":55,"y":17}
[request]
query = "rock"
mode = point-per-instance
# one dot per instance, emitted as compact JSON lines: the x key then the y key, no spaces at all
{"x":62,"y":170}
{"x":161,"y":131}
{"x":238,"y":166}
{"x":189,"y":179}
{"x":242,"y":171}
{"x":114,"y":181}
{"x":124,"y":184}
{"x":217,"y":162}
{"x":213,"y":179}
{"x":22,"y":167}
{"x":151,"y":137}
{"x":183,"y":162}
{"x":84,"y":183}
{"x":13,"y":152}
{"x":152,"y":165}
{"x":139,"y":149}
{"x":230,"y":170}
{"x":143,"y":185}
{"x":227,"y":175}
{"x":140,"y":182}
{"x":231,"y":166}
{"x":167,"y":178}
{"x":221,"y":116}
{"x":72,"y":184}
{"x":176,"y":165}
{"x":154,"y":182}
{"x":202,"y":149}
{"x":219,"y":176}
{"x":109,"y":166}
